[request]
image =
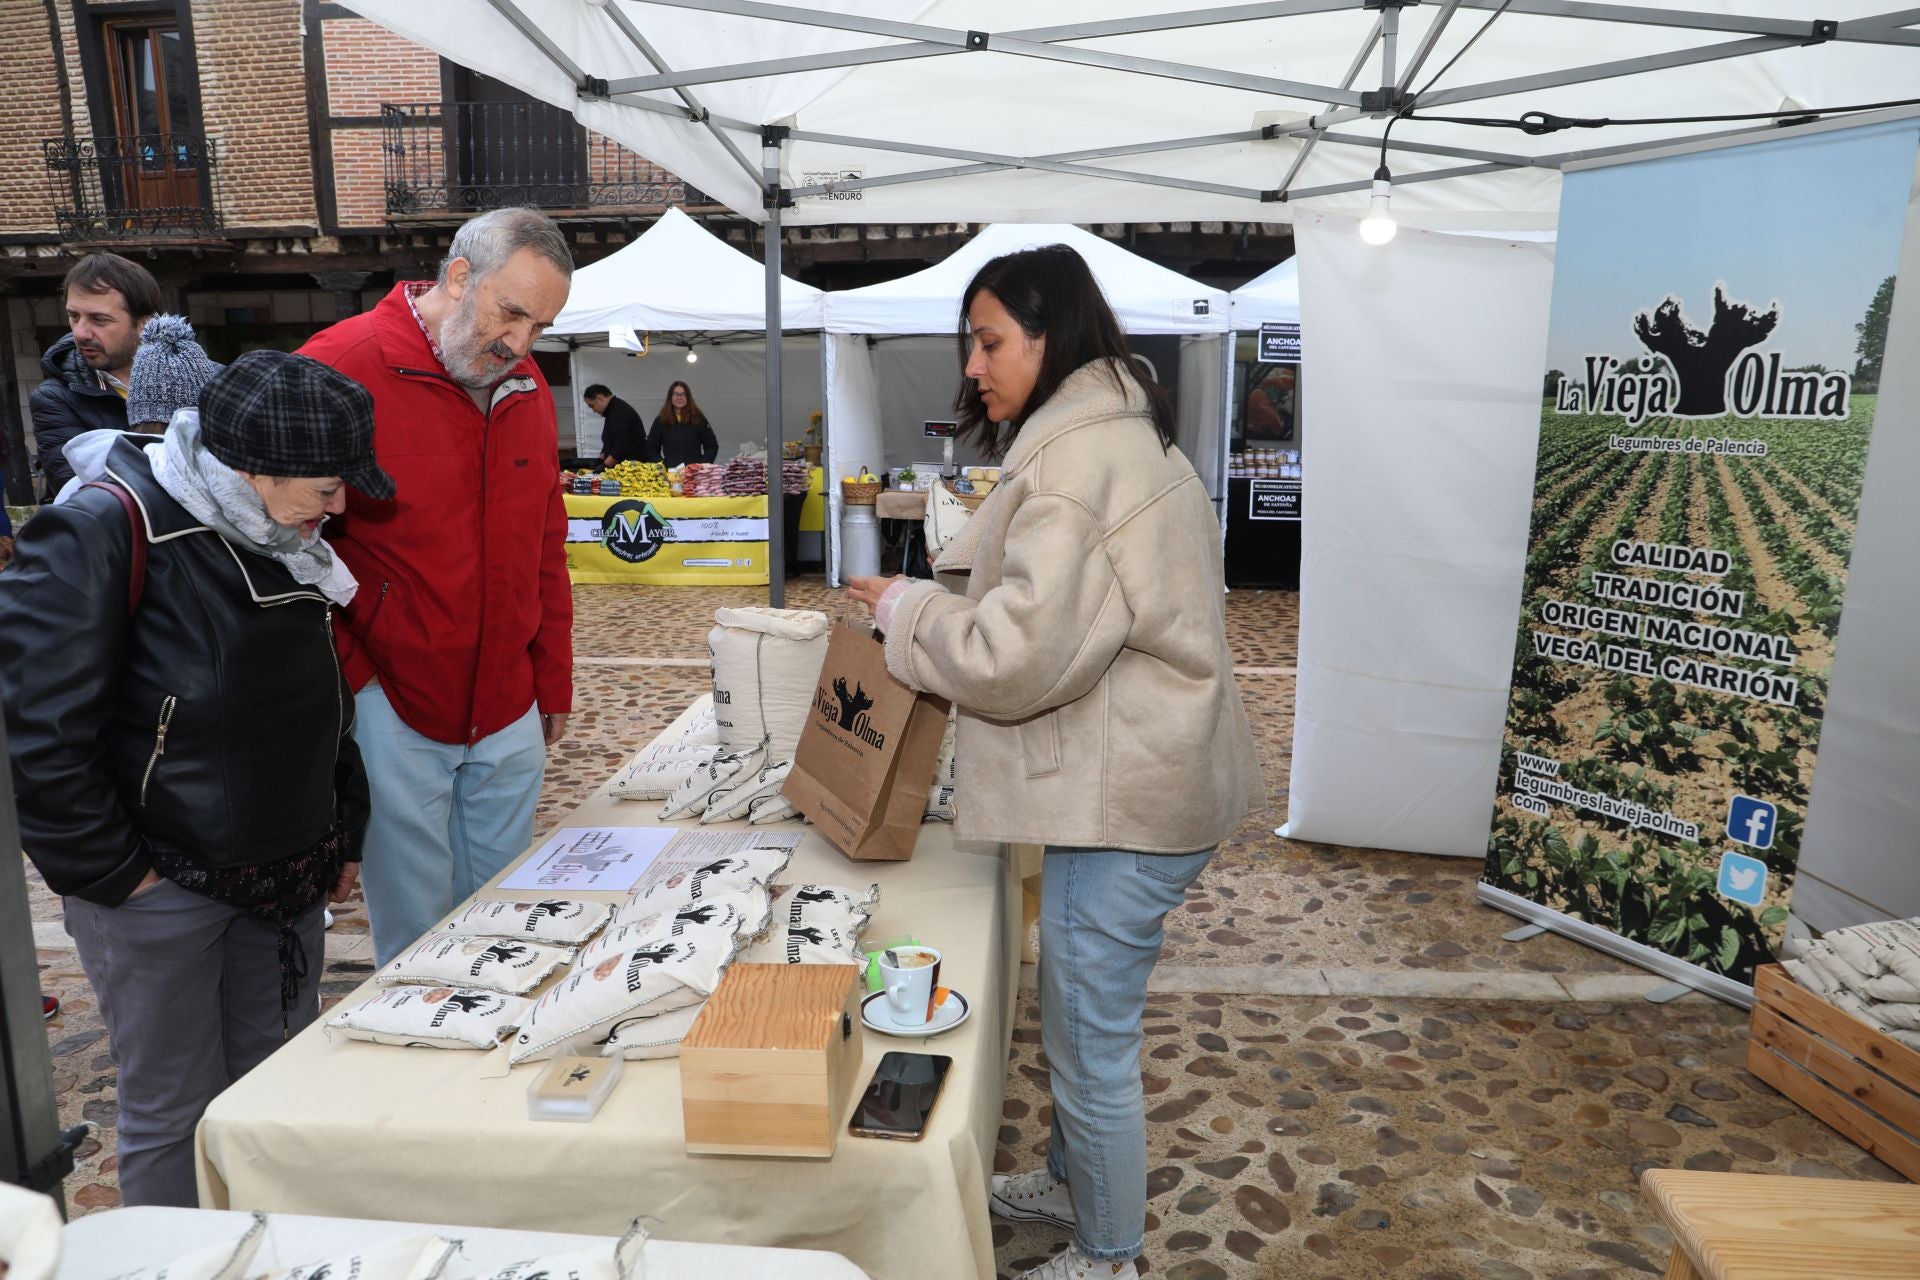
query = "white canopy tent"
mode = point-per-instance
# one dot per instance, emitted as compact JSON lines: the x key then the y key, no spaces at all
{"x":1272,"y":298}
{"x":875,"y":406}
{"x":1121,"y":110}
{"x":679,"y":278}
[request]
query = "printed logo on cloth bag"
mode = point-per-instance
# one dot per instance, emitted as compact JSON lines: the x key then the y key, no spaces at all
{"x":848,"y":710}
{"x":474,"y":1002}
{"x":1693,"y":373}
{"x":633,"y":531}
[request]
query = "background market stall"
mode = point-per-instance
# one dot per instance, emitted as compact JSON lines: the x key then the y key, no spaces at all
{"x":1267,"y":432}
{"x":679,"y":303}
{"x":893,"y":360}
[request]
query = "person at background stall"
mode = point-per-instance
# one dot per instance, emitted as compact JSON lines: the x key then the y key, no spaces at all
{"x":460,"y":648}
{"x":681,"y":433}
{"x":1079,"y":628}
{"x":108,"y":300}
{"x":182,"y":738}
{"x":623,"y":438}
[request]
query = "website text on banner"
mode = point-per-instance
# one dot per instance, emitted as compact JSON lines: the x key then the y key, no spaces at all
{"x":1713,"y":363}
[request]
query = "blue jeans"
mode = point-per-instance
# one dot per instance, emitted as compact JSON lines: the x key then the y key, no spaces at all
{"x":1100,"y":914}
{"x":446,"y":817}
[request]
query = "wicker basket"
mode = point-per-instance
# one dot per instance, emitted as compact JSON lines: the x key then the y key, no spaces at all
{"x":859,"y":493}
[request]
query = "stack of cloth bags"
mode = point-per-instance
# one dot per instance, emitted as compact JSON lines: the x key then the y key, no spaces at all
{"x":466,"y":985}
{"x":636,"y":991}
{"x":1872,"y":971}
{"x":766,"y":669}
{"x":745,"y":477}
{"x":703,"y":480}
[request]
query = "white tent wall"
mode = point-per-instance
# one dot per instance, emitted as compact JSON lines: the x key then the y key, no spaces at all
{"x":852,"y":424}
{"x":728,"y":382}
{"x":917,"y":378}
{"x":1198,"y":404}
{"x":1859,"y":856}
{"x":1427,"y":358}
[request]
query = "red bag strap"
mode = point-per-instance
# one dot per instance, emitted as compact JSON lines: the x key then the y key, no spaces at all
{"x":137,"y":579}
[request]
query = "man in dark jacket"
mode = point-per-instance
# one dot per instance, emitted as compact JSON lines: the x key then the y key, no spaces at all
{"x":623,"y":437}
{"x":108,"y":300}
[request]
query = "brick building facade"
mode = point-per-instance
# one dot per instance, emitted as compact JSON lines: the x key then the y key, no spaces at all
{"x":278,"y":164}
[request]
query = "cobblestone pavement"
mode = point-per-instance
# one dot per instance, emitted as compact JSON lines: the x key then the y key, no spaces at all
{"x":1350,"y":1072}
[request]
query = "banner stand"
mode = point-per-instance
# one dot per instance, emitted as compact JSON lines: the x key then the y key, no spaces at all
{"x":1654,"y":961}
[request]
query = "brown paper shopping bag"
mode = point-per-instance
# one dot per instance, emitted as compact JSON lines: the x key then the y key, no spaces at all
{"x":867,"y":753}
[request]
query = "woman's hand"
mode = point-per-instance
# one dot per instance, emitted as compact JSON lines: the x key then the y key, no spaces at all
{"x":867,"y":591}
{"x":343,"y":884}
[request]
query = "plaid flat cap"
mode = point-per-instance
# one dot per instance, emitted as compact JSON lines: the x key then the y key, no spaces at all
{"x":274,"y":414}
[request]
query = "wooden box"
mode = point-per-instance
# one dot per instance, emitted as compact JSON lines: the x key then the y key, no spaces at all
{"x":1846,"y":1073}
{"x":768,"y":1068}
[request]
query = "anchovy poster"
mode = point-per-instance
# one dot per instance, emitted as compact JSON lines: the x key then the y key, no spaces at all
{"x":1718,"y":325}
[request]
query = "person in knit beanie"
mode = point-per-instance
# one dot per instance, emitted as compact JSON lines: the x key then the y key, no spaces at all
{"x":169,"y":370}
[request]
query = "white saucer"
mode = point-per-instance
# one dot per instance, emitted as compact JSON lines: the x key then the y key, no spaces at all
{"x":875,"y":1013}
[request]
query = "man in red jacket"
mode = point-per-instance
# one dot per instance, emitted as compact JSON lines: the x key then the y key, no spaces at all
{"x":460,"y":641}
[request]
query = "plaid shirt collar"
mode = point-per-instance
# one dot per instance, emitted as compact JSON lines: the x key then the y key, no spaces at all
{"x":411,"y":291}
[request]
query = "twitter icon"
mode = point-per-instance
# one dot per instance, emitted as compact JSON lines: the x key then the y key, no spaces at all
{"x":1742,"y":879}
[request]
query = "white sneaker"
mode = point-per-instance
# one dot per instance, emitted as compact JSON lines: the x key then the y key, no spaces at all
{"x":1032,"y":1197}
{"x":329,"y":918}
{"x":1071,"y":1264}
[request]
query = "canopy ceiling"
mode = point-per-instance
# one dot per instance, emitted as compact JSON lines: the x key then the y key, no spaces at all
{"x":1122,"y":110}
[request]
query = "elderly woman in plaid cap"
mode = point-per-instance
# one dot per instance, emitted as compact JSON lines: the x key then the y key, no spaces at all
{"x":181,"y":738}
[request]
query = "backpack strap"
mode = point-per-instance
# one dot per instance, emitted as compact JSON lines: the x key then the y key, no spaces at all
{"x":137,"y":579}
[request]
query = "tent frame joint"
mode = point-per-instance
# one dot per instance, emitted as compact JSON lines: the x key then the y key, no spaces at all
{"x":1389,"y":4}
{"x":1274,"y":196}
{"x":1388,"y":100}
{"x":978,"y":41}
{"x":1823,"y":30}
{"x":592,"y":87}
{"x":773,"y":135}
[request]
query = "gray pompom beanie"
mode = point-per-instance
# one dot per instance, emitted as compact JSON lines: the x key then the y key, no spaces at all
{"x":169,"y":370}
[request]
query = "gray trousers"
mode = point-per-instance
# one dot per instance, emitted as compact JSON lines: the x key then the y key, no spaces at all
{"x":189,"y":989}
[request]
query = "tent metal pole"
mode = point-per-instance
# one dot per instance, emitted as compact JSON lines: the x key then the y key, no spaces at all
{"x":1147,"y":23}
{"x":1173,"y":70}
{"x":1654,"y":149}
{"x":531,"y":30}
{"x":782,"y":66}
{"x":1872,"y":29}
{"x":771,"y":139}
{"x":1610,"y":70}
{"x":652,"y":55}
{"x":1353,"y":73}
{"x":813,"y":18}
{"x":1429,"y":148}
{"x":1425,"y":48}
{"x":1431,"y":175}
{"x":1389,"y":42}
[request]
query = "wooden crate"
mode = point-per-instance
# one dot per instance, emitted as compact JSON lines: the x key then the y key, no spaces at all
{"x":768,"y":1067}
{"x":1846,"y":1073}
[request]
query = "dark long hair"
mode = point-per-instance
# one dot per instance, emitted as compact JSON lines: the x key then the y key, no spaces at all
{"x":669,"y":414}
{"x":1050,"y":294}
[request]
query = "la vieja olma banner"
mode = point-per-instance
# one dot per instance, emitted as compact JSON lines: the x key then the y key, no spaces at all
{"x":1718,"y":325}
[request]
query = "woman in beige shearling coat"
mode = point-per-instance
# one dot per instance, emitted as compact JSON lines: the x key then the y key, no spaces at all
{"x":1084,"y":643}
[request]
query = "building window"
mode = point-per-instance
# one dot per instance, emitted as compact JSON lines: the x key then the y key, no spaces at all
{"x":156,"y":114}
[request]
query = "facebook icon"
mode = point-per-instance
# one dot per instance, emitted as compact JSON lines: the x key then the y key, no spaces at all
{"x":1750,"y":822}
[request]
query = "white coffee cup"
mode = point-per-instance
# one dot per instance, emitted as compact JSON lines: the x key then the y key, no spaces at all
{"x":910,"y":984}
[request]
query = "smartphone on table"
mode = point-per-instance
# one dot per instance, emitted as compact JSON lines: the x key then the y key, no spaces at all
{"x":900,"y":1097}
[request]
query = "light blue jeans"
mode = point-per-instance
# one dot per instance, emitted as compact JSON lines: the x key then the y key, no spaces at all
{"x":446,"y":817}
{"x":1100,"y":914}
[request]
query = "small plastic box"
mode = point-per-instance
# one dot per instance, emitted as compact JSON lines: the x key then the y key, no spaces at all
{"x":572,"y":1087}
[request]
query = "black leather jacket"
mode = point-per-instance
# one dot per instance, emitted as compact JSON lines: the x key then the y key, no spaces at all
{"x":215,"y":724}
{"x":70,"y":401}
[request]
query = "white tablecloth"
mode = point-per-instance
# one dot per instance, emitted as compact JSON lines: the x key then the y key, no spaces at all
{"x":103,"y":1245}
{"x":355,"y":1130}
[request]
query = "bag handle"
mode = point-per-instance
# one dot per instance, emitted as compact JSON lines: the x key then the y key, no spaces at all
{"x":136,"y":528}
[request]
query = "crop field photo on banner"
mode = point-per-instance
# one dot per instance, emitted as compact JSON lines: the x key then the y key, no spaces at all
{"x":1719,"y":321}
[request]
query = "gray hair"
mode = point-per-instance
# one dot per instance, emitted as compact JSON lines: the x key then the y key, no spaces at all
{"x":486,"y":242}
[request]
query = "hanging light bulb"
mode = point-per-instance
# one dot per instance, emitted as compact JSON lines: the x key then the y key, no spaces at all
{"x":693,"y":357}
{"x":1378,"y":227}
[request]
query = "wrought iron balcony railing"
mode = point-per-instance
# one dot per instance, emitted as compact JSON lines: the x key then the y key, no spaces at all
{"x":444,"y":159}
{"x":143,"y":186}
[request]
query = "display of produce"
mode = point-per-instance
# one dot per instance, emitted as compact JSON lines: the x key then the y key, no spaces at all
{"x":696,"y":915}
{"x":1872,"y":971}
{"x":1264,"y":464}
{"x":816,"y":924}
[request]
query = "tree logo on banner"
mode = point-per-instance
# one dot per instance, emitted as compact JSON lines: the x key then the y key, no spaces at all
{"x":1691,"y":373}
{"x":633,"y":531}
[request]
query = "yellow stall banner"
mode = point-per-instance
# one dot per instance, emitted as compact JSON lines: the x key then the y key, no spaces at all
{"x":688,"y":542}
